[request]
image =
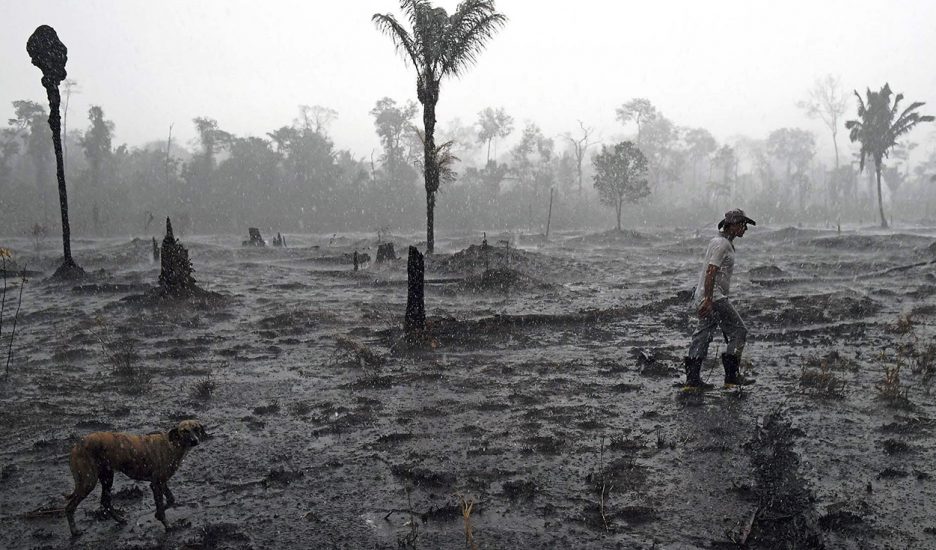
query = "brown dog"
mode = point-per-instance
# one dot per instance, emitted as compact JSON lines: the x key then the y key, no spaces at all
{"x":152,"y":458}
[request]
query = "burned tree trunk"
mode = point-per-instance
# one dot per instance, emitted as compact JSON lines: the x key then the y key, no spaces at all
{"x":385,"y":252}
{"x":415,"y":320}
{"x":175,"y":275}
{"x":49,"y":54}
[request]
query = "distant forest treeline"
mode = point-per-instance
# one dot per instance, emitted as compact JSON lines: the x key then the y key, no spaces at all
{"x":295,"y":179}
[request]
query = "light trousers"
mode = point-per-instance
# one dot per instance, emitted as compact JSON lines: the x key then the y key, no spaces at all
{"x":723,"y":316}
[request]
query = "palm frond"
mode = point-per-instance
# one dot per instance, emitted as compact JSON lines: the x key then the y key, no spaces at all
{"x":442,"y":156}
{"x":896,"y":106}
{"x":402,"y":39}
{"x":432,"y":37}
{"x":906,"y":124}
{"x":861,"y":103}
{"x":413,"y":9}
{"x":854,"y":127}
{"x":909,"y":111}
{"x":445,"y":161}
{"x":470,"y":27}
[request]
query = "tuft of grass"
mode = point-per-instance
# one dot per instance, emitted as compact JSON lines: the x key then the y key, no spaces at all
{"x":890,"y":388}
{"x":903,"y":325}
{"x":602,"y":486}
{"x":353,"y":352}
{"x":272,"y":408}
{"x":924,"y":362}
{"x":822,"y":381}
{"x":122,"y":358}
{"x":408,"y":540}
{"x":466,"y":504}
{"x":300,"y":408}
{"x":204,"y":388}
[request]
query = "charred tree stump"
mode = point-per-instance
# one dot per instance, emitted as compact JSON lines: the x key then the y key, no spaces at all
{"x":354,"y":258}
{"x":484,"y":250}
{"x":175,"y":275}
{"x":254,"y":238}
{"x":415,"y":321}
{"x":385,"y":252}
{"x":49,"y":54}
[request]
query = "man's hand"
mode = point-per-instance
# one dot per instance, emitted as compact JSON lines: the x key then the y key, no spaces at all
{"x":705,"y":308}
{"x":708,"y":286}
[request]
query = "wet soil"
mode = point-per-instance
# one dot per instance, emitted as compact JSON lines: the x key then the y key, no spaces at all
{"x":547,"y":397}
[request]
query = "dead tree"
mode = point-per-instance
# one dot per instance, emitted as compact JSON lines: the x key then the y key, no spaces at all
{"x":415,"y":321}
{"x":579,"y":147}
{"x":50,"y":55}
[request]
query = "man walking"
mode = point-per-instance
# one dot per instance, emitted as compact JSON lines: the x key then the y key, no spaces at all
{"x":715,"y":311}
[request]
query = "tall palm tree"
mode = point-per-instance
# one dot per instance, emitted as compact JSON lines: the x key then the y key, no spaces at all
{"x":438,"y":45}
{"x":879,"y":126}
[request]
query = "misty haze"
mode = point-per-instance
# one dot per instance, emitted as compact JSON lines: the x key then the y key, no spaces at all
{"x":478,"y":274}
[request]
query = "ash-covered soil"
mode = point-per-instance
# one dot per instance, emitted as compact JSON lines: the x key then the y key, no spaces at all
{"x":550,"y":404}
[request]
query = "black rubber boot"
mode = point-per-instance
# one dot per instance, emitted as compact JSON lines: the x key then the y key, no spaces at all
{"x":733,"y":377}
{"x":693,"y":374}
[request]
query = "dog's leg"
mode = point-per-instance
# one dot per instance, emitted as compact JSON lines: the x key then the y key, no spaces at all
{"x":160,"y":505}
{"x":85,"y":480}
{"x":106,"y":475}
{"x":170,"y":498}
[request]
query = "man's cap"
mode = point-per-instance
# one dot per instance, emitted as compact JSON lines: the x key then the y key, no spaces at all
{"x":735,"y":216}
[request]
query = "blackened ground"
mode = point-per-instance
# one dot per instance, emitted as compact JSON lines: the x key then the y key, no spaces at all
{"x":547,"y":398}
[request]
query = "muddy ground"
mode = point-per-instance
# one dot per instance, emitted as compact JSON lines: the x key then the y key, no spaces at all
{"x":548,"y":400}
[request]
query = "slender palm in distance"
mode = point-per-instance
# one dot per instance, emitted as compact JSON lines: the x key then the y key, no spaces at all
{"x":879,"y":126}
{"x":438,"y":45}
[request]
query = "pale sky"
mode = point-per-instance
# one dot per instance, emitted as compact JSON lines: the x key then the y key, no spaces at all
{"x":733,"y":67}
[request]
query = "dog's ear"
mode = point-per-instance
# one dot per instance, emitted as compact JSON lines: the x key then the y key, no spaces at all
{"x":175,"y":436}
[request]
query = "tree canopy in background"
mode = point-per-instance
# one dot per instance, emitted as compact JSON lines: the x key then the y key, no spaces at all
{"x":621,"y":176}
